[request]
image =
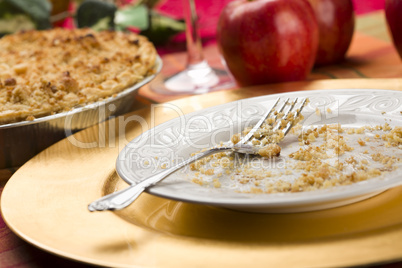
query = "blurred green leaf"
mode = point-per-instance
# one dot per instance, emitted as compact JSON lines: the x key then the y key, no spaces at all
{"x":135,"y":15}
{"x":90,"y":12}
{"x":158,"y":20}
{"x":7,"y":8}
{"x":163,"y":28}
{"x":157,"y":27}
{"x":38,"y":10}
{"x":102,"y":25}
{"x":11,"y":23}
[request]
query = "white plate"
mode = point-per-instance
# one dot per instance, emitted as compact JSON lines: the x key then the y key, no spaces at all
{"x":177,"y":139}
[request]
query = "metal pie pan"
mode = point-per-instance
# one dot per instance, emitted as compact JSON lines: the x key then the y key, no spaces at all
{"x":20,"y":141}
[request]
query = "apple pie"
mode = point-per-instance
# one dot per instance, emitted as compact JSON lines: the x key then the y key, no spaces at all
{"x":52,"y":71}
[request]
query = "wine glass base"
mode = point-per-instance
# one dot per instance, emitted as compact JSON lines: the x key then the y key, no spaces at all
{"x":185,"y":82}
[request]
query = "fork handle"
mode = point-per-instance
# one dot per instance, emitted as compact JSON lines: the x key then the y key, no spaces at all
{"x":125,"y":197}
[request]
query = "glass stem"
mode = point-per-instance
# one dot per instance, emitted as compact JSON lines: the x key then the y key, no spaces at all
{"x":194,"y":44}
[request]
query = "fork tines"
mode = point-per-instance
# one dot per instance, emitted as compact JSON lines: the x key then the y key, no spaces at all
{"x":288,"y":118}
{"x":278,"y":119}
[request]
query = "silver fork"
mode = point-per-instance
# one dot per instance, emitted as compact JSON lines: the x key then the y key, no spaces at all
{"x":125,"y":197}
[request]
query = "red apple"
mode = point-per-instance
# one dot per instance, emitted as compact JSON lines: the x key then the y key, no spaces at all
{"x":268,"y":41}
{"x":336,"y":22}
{"x":393,"y":13}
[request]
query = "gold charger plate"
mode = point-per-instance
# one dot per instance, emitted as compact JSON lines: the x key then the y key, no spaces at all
{"x":45,"y":203}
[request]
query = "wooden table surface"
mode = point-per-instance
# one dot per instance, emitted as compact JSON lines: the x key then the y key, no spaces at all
{"x":372,"y":62}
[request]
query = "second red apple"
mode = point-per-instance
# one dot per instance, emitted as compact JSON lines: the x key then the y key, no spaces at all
{"x":336,"y":26}
{"x":393,"y":11}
